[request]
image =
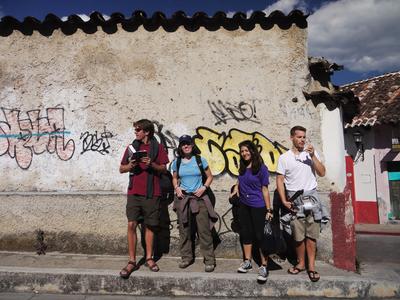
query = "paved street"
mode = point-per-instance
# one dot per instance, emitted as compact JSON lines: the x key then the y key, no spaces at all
{"x":26,"y":296}
{"x":31,"y":296}
{"x":378,"y":248}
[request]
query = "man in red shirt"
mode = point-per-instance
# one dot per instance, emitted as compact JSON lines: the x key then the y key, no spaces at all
{"x":145,"y":160}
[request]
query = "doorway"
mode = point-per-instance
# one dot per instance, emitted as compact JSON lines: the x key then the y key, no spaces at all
{"x":393,"y":168}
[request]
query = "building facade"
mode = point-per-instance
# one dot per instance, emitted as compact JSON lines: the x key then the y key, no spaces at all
{"x":373,"y":151}
{"x":70,"y":91}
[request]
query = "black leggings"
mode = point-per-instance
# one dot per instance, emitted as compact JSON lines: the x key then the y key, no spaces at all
{"x":252,"y":220}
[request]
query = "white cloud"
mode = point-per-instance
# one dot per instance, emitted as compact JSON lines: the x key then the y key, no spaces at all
{"x":230,"y":14}
{"x":84,"y":17}
{"x":286,"y":6}
{"x":248,"y":13}
{"x":362,"y":35}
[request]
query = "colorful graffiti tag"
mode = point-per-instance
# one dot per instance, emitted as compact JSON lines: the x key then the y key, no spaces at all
{"x":222,"y":151}
{"x":20,"y":137}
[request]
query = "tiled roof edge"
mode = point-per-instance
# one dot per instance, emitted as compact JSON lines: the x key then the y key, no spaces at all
{"x":368,"y":79}
{"x":363,"y":122}
{"x":139,"y":18}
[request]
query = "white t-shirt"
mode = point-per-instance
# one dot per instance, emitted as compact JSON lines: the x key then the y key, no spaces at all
{"x":298,"y":170}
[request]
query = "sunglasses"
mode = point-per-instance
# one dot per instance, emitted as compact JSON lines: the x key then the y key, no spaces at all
{"x":186,"y":144}
{"x":137,"y":129}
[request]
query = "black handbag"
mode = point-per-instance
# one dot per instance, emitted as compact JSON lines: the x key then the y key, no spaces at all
{"x":273,"y":241}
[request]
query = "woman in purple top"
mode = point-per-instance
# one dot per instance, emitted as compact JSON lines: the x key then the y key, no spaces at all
{"x":255,"y":204}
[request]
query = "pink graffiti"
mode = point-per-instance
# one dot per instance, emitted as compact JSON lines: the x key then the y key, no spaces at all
{"x":21,"y":138}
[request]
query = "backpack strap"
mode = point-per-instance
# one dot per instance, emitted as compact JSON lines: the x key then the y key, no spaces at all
{"x":178,"y":164}
{"x":209,"y":192}
{"x":153,"y":153}
{"x":201,"y":167}
{"x":136,"y":145}
{"x":153,"y":148}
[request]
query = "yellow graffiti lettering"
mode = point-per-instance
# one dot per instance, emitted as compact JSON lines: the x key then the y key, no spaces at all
{"x":210,"y":144}
{"x":221,"y":150}
{"x":233,"y":158}
{"x":268,"y":151}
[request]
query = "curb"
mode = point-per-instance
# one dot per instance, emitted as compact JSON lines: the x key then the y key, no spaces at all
{"x":377,"y":232}
{"x":191,"y":284}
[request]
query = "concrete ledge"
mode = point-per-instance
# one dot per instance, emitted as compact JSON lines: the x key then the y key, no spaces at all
{"x":98,"y":274}
{"x":87,"y":281}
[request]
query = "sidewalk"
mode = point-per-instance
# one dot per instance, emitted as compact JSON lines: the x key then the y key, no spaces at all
{"x":381,"y":229}
{"x":98,"y":274}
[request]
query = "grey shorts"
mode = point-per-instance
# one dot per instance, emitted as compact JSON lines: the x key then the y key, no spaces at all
{"x":305,"y":227}
{"x":140,"y":208}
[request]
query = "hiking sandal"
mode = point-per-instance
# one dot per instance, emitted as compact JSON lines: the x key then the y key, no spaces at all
{"x":311,"y":275}
{"x":153,"y":267}
{"x":125,"y":272}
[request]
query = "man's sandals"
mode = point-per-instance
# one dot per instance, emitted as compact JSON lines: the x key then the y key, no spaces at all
{"x":313,"y":275}
{"x":151,"y":264}
{"x":126,"y":272}
{"x":295,"y":270}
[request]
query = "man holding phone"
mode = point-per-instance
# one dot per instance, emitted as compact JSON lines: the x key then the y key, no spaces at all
{"x":296,"y":171}
{"x":145,"y":159}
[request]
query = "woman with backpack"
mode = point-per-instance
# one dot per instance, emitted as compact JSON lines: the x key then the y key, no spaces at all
{"x":255,"y":204}
{"x":192,"y":204}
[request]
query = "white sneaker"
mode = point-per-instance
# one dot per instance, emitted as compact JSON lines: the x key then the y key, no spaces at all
{"x":209,"y":268}
{"x":245,"y":266}
{"x":262,"y":274}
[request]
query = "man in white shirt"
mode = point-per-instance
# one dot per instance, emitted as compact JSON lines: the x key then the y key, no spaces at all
{"x":296,"y":171}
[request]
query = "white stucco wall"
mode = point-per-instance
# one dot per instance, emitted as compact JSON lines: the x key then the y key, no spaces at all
{"x":68,"y":103}
{"x":101,"y":82}
{"x":333,"y":147}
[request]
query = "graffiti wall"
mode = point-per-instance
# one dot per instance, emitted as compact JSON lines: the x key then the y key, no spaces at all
{"x":24,"y":135}
{"x":68,"y":102}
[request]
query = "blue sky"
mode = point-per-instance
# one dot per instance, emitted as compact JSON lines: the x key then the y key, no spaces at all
{"x":362,"y":35}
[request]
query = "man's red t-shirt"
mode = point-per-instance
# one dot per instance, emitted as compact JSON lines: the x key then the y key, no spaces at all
{"x":139,"y":184}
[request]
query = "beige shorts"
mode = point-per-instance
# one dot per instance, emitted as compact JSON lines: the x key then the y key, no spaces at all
{"x":305,"y":227}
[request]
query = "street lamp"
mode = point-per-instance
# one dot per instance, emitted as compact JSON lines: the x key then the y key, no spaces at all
{"x":358,"y":140}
